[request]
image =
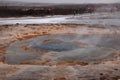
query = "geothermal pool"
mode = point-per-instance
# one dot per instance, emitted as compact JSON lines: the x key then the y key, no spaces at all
{"x":67,"y":47}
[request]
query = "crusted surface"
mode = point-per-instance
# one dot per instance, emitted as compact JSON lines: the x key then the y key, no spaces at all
{"x":46,"y":68}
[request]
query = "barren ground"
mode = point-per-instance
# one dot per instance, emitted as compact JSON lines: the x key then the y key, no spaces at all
{"x":48,"y":66}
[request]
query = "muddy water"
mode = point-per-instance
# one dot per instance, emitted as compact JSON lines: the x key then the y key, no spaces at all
{"x":69,"y":47}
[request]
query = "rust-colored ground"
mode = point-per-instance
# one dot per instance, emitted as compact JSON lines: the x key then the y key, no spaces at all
{"x":108,"y":70}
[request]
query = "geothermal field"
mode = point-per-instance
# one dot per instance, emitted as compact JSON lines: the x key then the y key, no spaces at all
{"x":73,"y":47}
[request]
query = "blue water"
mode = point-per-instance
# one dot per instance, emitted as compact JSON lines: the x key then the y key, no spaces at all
{"x":56,"y":46}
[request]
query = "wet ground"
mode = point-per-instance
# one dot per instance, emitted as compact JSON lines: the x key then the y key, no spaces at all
{"x":101,"y":18}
